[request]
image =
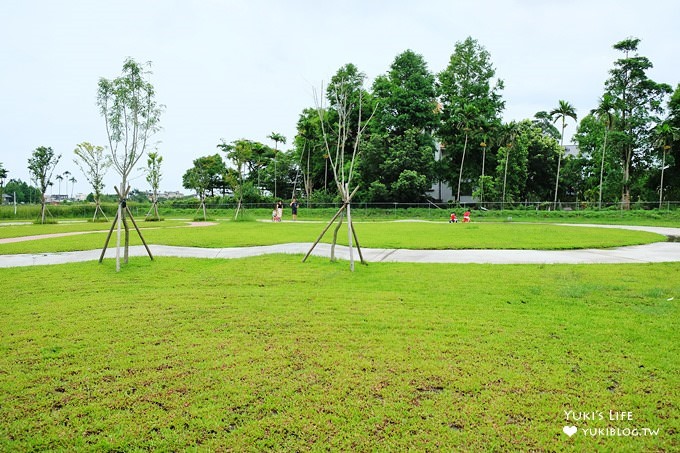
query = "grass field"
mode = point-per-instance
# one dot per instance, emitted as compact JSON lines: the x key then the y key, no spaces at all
{"x":411,"y":235}
{"x":270,"y":353}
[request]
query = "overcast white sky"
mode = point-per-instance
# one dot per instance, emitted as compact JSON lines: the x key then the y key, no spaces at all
{"x":245,"y":68}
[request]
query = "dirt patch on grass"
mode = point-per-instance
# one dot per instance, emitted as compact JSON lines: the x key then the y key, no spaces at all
{"x":202,"y":224}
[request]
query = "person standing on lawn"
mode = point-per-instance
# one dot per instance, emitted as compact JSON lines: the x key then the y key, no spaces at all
{"x":294,"y":207}
{"x":279,"y":210}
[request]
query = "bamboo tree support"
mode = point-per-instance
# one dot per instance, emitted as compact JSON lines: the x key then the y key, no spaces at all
{"x":154,"y":209}
{"x":117,"y":220}
{"x":201,"y":206}
{"x":356,"y":241}
{"x":98,"y":208}
{"x":350,"y":226}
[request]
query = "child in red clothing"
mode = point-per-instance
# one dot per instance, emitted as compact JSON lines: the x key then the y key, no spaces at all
{"x":453,"y":218}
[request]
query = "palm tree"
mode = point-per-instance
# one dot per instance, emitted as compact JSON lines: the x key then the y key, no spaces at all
{"x":563,"y":111}
{"x":60,"y":179}
{"x":606,"y":109}
{"x":276,"y":137}
{"x":665,"y":134}
{"x":466,"y":116}
{"x":483,"y":145}
{"x":73,"y":183}
{"x":509,"y":134}
{"x":66,"y":176}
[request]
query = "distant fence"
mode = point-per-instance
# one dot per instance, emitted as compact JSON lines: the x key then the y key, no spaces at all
{"x":426,"y":209}
{"x":491,"y":205}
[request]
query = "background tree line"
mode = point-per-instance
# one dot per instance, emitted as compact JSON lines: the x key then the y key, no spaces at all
{"x":431,"y":130}
{"x":441,"y":137}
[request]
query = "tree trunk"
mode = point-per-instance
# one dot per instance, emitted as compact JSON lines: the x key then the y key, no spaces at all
{"x":349,"y":238}
{"x":335,"y":236}
{"x":557,"y":180}
{"x":42,"y":209}
{"x":127,"y":236}
{"x":626,"y":182}
{"x":460,"y":174}
{"x":481,"y":197}
{"x":663,"y":165}
{"x":604,"y":148}
{"x":505,"y":176}
{"x":118,"y":227}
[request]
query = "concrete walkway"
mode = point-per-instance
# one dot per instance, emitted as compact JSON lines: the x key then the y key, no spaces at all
{"x":657,"y":252}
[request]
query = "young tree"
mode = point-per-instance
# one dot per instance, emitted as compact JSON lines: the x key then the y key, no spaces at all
{"x":204,"y":176}
{"x":153,"y":177}
{"x":239,"y":152}
{"x":563,"y":110}
{"x":41,"y":165}
{"x":347,"y":134}
{"x":132,"y":116}
{"x":93,"y":163}
{"x":638,"y":101}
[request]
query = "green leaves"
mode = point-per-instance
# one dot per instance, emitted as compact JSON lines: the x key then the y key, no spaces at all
{"x":131,"y":113}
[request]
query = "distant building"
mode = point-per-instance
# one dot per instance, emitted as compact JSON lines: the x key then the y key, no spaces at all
{"x":440,"y":189}
{"x":171,"y":194}
{"x":570,"y":150}
{"x":56,"y":198}
{"x":166,"y":195}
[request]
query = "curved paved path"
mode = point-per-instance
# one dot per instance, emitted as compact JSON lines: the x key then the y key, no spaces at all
{"x":657,"y":252}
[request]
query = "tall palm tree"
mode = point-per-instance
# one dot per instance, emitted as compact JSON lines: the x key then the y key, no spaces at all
{"x":60,"y":179}
{"x":73,"y":183}
{"x":605,"y":109}
{"x":277,"y":138}
{"x":509,"y":134}
{"x":666,"y":134}
{"x":481,"y":180}
{"x":563,"y":111}
{"x":66,"y":176}
{"x":466,"y":117}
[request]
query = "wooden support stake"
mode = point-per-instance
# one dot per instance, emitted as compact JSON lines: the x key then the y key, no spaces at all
{"x":356,"y":241}
{"x":140,"y":233}
{"x":324,"y":231}
{"x":108,"y":237}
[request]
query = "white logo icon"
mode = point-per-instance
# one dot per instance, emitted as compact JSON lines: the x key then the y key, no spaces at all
{"x":569,"y":430}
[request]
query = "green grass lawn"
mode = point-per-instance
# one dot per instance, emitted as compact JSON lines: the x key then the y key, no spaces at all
{"x":270,"y":353}
{"x":411,"y":235}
